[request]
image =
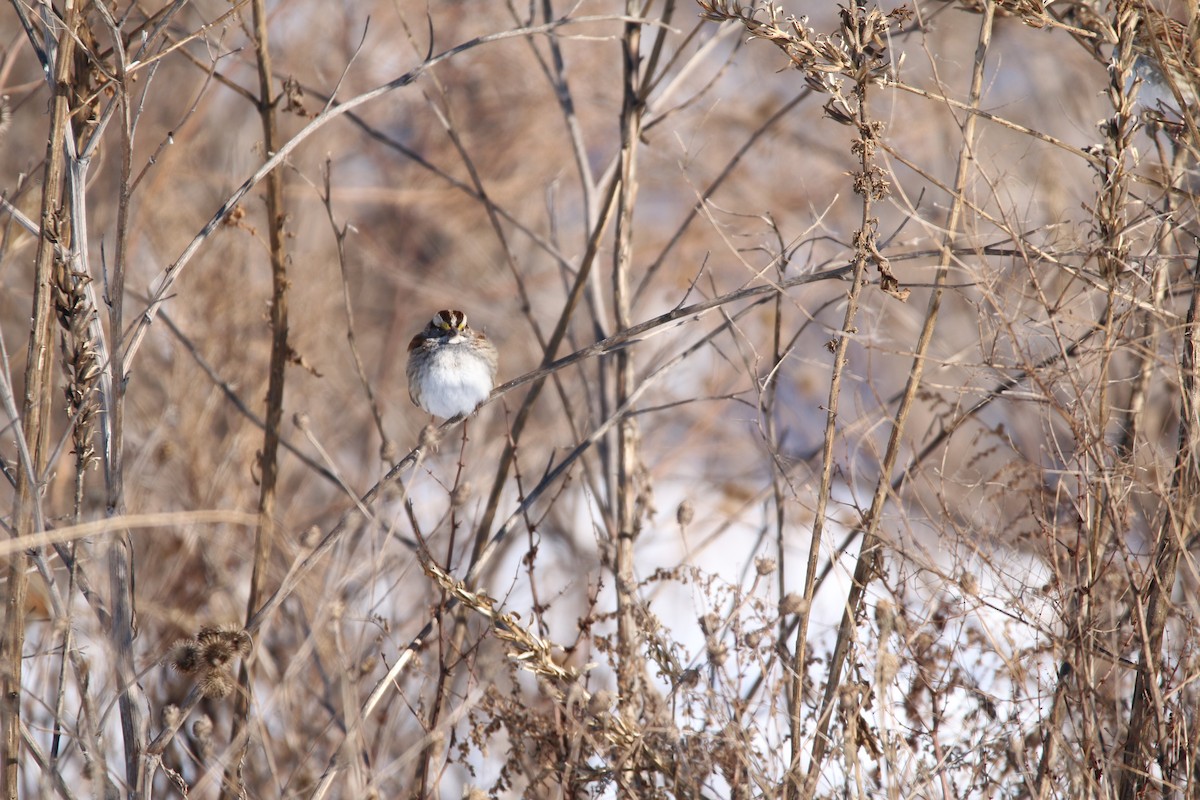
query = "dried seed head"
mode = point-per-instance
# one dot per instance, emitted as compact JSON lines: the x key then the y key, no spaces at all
{"x":889,"y":666}
{"x":601,"y":702}
{"x":717,"y":652}
{"x":208,"y":656}
{"x":219,"y":646}
{"x":685,"y":513}
{"x":208,"y":634}
{"x":765,"y":565}
{"x":885,"y":615}
{"x":202,"y":728}
{"x":171,"y":716}
{"x":185,"y":656}
{"x":216,"y":683}
{"x":215,"y":651}
{"x":792,"y":603}
{"x":293,"y":93}
{"x":461,"y":494}
{"x":81,"y":360}
{"x":688,"y":678}
{"x":310,"y":537}
{"x":429,"y":437}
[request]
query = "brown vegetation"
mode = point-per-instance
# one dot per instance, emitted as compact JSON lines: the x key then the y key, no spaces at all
{"x":849,"y":440}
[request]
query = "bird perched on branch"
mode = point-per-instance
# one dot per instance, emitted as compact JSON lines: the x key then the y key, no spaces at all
{"x":451,"y":368}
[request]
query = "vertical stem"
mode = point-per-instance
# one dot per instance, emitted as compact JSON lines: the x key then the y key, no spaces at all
{"x":35,"y":412}
{"x":1077,"y":667}
{"x":1179,"y":522}
{"x":447,"y":653}
{"x":871,"y":554}
{"x":120,"y":551}
{"x":795,"y":785}
{"x":777,"y":472}
{"x":269,"y":460}
{"x":628,"y":663}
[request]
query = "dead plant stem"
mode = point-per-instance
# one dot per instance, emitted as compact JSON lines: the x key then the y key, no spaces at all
{"x":870,"y":557}
{"x":1179,"y":520}
{"x":1078,"y":666}
{"x":120,"y":551}
{"x":624,"y":488}
{"x":233,"y":785}
{"x":797,"y":786}
{"x":35,"y":407}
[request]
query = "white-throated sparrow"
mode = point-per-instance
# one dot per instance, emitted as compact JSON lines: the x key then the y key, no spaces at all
{"x":451,"y":368}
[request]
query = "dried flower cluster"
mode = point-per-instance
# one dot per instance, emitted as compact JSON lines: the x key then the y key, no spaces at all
{"x":1031,"y":12}
{"x":857,"y":52}
{"x":81,"y":359}
{"x":209,"y":657}
{"x":842,"y":64}
{"x":528,"y":650}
